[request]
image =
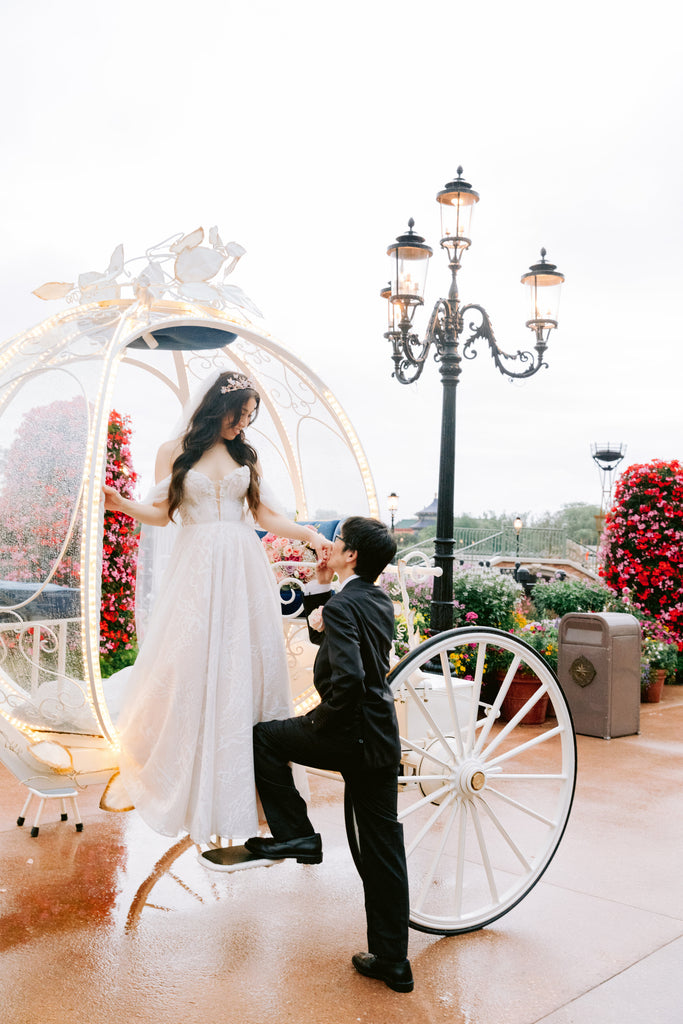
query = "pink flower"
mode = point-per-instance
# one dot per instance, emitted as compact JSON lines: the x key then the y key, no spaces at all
{"x":471,"y":616}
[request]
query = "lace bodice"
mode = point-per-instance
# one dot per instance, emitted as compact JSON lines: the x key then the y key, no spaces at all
{"x":207,"y":502}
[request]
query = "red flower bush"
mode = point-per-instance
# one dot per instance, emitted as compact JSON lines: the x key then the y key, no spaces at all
{"x":642,"y":545}
{"x":119,"y":555}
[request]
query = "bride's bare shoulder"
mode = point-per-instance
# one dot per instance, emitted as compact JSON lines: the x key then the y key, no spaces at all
{"x":166,"y":456}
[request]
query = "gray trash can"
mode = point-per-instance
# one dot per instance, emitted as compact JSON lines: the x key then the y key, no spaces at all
{"x":599,"y":671}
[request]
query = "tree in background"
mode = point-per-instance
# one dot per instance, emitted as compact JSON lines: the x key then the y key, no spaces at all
{"x":576,"y":518}
{"x":40,"y":481}
{"x":118,"y":642}
{"x":642,"y":544}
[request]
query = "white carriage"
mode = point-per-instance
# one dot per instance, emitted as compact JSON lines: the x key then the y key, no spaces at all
{"x":484,"y":801}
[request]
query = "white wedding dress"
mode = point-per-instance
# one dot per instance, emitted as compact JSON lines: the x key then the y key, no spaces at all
{"x":211,"y":665}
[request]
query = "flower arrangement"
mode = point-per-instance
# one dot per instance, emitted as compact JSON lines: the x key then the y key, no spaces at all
{"x":118,"y":641}
{"x":543,"y":637}
{"x":642,"y":546}
{"x":657,"y":654}
{"x":464,"y":660}
{"x":419,"y":599}
{"x":490,"y":596}
{"x":292,"y":559}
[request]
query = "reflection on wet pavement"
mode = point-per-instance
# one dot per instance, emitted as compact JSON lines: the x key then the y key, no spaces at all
{"x":117,"y":924}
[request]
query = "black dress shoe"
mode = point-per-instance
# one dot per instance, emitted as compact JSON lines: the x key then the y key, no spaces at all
{"x":394,"y":973}
{"x":306,"y":850}
{"x":232,"y":858}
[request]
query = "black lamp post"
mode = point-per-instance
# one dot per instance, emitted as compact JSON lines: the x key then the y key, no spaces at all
{"x":449,"y":320}
{"x":392,"y":505}
{"x":518,"y":524}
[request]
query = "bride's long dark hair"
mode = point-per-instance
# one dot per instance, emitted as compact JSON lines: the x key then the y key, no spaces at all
{"x":204,"y":430}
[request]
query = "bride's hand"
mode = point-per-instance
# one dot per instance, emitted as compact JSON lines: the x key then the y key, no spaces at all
{"x":322,"y":547}
{"x":111,"y":498}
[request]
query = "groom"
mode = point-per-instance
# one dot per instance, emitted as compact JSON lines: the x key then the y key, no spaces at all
{"x":354,"y":731}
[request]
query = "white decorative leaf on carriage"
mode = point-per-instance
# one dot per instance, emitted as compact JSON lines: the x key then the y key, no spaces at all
{"x":149,"y":284}
{"x":153,"y":274}
{"x":235,"y":249}
{"x":189,"y":241}
{"x":90,"y":278}
{"x":53,"y":290}
{"x":198,"y":264}
{"x":214,"y":238}
{"x":53,"y":754}
{"x":115,"y":796}
{"x":234,"y":296}
{"x":107,"y":290}
{"x":116,"y":262}
{"x":145,"y":296}
{"x":91,"y":281}
{"x":199,"y":290}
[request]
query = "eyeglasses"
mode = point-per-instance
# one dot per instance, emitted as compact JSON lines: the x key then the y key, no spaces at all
{"x":339,"y":537}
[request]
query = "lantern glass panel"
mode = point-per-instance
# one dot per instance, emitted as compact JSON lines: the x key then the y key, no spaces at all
{"x":544,"y":296}
{"x":409,"y":274}
{"x":456,"y":213}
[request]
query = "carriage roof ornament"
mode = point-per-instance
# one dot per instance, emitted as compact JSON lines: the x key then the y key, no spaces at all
{"x":179,"y":267}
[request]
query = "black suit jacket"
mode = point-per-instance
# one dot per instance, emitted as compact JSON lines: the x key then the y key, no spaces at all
{"x":351,"y":668}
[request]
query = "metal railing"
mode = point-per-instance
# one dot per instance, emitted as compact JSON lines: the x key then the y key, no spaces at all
{"x":473,"y":543}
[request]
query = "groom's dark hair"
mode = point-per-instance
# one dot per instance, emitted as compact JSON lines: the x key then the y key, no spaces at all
{"x":372,"y":542}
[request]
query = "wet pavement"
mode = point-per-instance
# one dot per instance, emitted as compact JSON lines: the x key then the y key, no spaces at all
{"x":117,"y":924}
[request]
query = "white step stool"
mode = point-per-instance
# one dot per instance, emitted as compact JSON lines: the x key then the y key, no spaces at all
{"x":67,"y":793}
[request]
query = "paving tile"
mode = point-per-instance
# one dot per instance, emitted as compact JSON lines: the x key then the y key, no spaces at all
{"x":649,"y":992}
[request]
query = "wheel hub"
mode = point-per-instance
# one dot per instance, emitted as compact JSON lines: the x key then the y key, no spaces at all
{"x":465,"y":779}
{"x":469,"y":778}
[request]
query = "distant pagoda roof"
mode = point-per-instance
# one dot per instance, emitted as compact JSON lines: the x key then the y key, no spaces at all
{"x":428,"y":510}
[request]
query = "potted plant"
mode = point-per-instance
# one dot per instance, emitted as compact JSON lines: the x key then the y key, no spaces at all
{"x":543,"y":637}
{"x":658,"y":664}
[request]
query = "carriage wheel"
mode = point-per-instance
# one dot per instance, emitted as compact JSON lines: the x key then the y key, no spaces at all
{"x":488,"y":779}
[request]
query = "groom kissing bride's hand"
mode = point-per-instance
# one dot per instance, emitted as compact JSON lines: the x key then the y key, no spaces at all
{"x":354,"y":731}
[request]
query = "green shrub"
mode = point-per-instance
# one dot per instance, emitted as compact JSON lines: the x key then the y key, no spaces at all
{"x":559,"y":597}
{"x":114,"y":662}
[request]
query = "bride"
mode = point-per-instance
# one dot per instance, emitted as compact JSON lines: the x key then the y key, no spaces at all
{"x":212,"y":663}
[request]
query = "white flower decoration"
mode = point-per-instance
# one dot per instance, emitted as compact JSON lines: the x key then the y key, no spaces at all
{"x":183,"y":269}
{"x":315,"y":620}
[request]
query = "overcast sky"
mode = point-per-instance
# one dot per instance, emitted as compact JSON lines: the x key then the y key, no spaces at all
{"x":311,"y":132}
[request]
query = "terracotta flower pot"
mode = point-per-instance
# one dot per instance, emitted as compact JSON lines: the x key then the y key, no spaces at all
{"x":652,"y":693}
{"x":522,"y":687}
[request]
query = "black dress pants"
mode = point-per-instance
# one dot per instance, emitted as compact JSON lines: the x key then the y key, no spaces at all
{"x":373,"y":793}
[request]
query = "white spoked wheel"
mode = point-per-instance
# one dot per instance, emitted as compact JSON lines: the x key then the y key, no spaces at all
{"x":488,"y":776}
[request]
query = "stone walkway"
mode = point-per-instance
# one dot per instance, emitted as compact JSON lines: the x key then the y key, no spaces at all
{"x":117,"y":925}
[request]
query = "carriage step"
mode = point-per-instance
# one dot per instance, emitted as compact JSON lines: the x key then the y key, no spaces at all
{"x":67,"y":794}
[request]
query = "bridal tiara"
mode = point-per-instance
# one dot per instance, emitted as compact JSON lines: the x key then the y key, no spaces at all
{"x":238,"y":384}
